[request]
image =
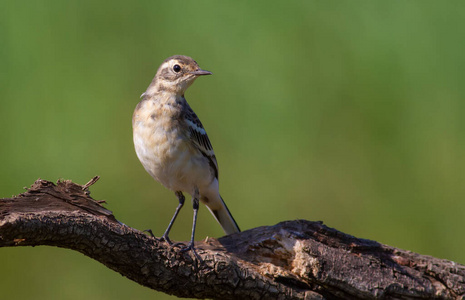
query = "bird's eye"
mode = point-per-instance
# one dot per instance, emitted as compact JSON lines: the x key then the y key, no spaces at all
{"x":177,"y":68}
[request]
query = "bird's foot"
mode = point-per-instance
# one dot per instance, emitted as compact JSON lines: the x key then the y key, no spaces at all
{"x":167,"y":239}
{"x":190,"y":247}
{"x":149,"y":231}
{"x":179,"y":245}
{"x":163,"y":238}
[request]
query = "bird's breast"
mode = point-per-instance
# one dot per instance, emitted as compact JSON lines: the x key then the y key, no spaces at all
{"x":164,"y":149}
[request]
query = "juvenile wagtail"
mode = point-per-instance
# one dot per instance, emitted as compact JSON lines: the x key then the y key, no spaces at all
{"x":173,"y":146}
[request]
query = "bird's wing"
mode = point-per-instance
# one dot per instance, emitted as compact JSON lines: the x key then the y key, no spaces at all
{"x":199,"y":138}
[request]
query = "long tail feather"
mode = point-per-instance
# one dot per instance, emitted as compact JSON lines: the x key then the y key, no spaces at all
{"x":225,"y":218}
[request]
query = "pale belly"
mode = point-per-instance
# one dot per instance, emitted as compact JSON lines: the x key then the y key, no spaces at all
{"x":171,"y":160}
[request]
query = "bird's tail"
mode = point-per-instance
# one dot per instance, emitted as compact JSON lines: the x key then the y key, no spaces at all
{"x":224,"y":217}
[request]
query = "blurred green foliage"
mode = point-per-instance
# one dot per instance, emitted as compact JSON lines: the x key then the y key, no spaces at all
{"x":346,"y":112}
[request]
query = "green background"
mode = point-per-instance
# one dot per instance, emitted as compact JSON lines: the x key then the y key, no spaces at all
{"x":346,"y":112}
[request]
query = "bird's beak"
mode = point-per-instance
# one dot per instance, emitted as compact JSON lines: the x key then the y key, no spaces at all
{"x":199,"y":72}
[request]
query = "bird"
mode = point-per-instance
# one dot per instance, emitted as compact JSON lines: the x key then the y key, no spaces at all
{"x":173,"y":146}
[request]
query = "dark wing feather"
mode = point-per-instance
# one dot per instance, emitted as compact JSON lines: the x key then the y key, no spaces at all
{"x":199,"y":138}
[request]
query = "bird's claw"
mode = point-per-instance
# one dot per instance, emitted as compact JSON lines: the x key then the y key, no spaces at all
{"x":179,"y":244}
{"x":190,"y":247}
{"x":167,"y":239}
{"x":149,"y":231}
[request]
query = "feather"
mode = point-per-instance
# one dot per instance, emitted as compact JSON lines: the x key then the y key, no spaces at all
{"x":199,"y":138}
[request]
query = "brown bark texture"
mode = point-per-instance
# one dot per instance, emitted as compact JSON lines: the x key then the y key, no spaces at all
{"x":291,"y":260}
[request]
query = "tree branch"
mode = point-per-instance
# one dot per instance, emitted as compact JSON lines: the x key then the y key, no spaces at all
{"x":291,"y":260}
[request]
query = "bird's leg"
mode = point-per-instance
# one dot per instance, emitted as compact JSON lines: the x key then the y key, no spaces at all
{"x":195,"y":204}
{"x":190,"y":246}
{"x":181,"y":203}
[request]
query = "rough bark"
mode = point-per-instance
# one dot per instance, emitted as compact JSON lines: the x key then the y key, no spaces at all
{"x":291,"y":260}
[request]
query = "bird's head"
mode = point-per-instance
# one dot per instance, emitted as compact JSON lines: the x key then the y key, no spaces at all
{"x":175,"y":75}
